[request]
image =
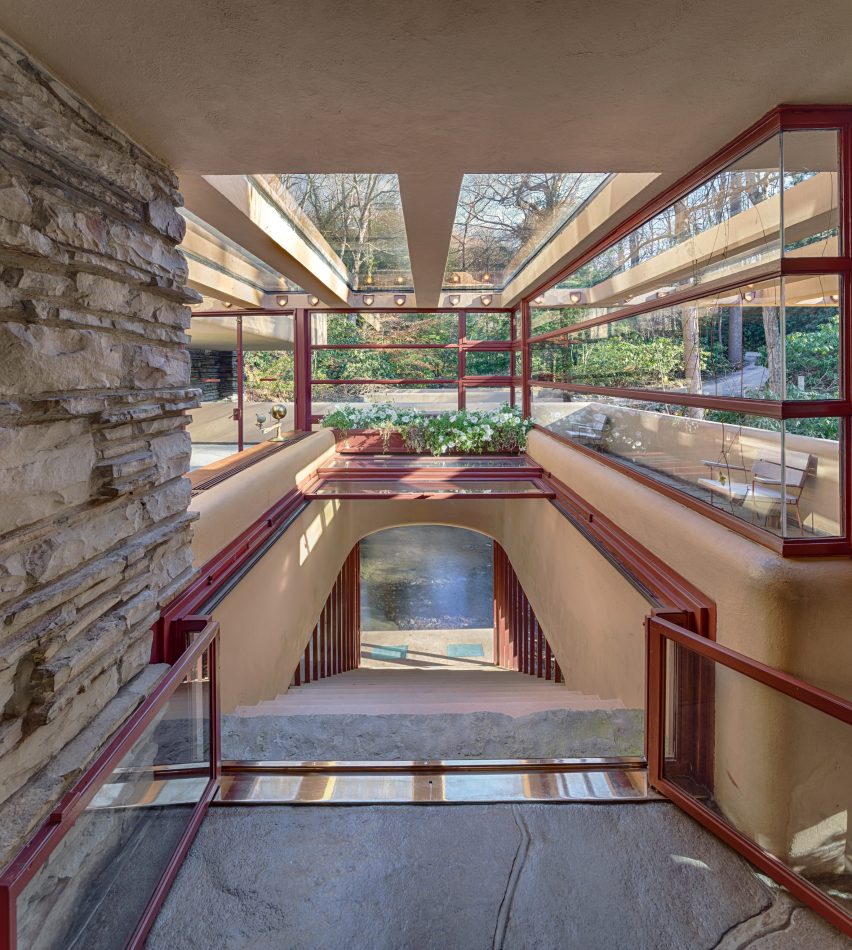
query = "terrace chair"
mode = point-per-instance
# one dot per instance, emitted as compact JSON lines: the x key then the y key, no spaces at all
{"x":591,"y":430}
{"x":765,"y":488}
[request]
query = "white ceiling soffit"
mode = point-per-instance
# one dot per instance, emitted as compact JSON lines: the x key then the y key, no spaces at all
{"x":429,"y":205}
{"x":232,"y":206}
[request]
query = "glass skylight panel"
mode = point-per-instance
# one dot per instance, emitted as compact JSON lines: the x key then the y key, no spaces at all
{"x":503,"y":220}
{"x":359,"y":215}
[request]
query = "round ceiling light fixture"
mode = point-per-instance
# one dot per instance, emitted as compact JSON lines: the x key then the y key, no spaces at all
{"x":834,"y":298}
{"x":228,"y":304}
{"x":368,"y":300}
{"x":486,"y":300}
{"x":575,"y":296}
{"x":281,"y":300}
{"x":749,"y":295}
{"x":455,"y":279}
{"x":399,"y":299}
{"x":313,"y":301}
{"x":400,"y":280}
{"x":454,"y":300}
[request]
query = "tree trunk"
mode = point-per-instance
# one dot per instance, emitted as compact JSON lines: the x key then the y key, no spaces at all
{"x":735,"y":336}
{"x":772,"y":332}
{"x":692,"y":358}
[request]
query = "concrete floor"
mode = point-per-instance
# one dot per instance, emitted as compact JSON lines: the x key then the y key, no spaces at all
{"x":464,"y":877}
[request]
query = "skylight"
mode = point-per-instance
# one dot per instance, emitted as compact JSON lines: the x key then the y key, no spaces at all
{"x":503,"y":220}
{"x":360,"y":217}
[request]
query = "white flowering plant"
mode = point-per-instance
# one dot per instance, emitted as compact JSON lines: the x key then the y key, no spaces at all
{"x":459,"y":432}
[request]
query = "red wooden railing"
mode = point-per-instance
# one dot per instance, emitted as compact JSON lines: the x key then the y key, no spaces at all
{"x":519,"y":641}
{"x":335,"y":644}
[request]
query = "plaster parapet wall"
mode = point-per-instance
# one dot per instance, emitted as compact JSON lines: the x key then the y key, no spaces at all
{"x":781,"y":769}
{"x":267,"y":619}
{"x":94,"y":384}
{"x":227,"y":509}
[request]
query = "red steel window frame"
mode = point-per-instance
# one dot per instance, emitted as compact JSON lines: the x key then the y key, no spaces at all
{"x":784,"y":118}
{"x":462,"y":346}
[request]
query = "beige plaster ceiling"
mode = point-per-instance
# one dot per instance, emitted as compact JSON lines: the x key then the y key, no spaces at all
{"x":431,"y":89}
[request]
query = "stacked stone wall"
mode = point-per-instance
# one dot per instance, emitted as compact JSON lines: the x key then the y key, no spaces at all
{"x":94,"y":384}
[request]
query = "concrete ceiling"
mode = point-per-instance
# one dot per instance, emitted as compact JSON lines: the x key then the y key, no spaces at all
{"x":431,"y":90}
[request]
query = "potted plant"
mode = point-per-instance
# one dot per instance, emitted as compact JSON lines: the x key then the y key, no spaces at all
{"x":461,"y":432}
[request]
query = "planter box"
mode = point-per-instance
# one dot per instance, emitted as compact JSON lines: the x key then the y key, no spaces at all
{"x":369,"y":442}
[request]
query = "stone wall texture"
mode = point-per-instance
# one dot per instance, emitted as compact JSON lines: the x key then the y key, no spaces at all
{"x":94,"y":381}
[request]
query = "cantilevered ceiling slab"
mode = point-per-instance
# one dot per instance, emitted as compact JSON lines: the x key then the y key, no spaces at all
{"x":231,"y":205}
{"x":429,"y":205}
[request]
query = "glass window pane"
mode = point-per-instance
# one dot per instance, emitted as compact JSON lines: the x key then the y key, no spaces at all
{"x":376,"y":327}
{"x":790,"y":795}
{"x":95,"y":886}
{"x":812,"y":336}
{"x":430,"y":397}
{"x":732,"y":461}
{"x":384,"y":364}
{"x":486,"y":397}
{"x":729,"y":344}
{"x":213,"y":362}
{"x":268,"y":382}
{"x":811,"y":189}
{"x":489,"y":326}
{"x":488,"y":363}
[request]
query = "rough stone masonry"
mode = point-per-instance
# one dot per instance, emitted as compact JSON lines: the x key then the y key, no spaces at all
{"x":94,"y":381}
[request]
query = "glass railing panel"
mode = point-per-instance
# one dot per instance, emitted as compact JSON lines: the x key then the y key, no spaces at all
{"x":381,"y":487}
{"x":93,"y":889}
{"x":732,"y":461}
{"x":780,"y":773}
{"x":428,"y":397}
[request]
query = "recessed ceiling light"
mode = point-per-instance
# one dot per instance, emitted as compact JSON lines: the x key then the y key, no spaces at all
{"x":455,"y":279}
{"x":486,"y":277}
{"x":368,"y":300}
{"x":454,"y":300}
{"x":228,"y":304}
{"x":486,"y":300}
{"x":399,"y":299}
{"x":749,"y":295}
{"x":313,"y":301}
{"x":400,"y":280}
{"x":281,"y":300}
{"x":575,"y":296}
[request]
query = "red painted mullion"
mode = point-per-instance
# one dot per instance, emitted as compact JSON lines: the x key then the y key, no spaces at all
{"x":539,"y":650}
{"x":548,"y":657}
